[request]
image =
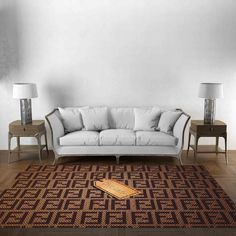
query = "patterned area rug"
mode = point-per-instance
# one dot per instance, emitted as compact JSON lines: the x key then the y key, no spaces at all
{"x":64,"y":196}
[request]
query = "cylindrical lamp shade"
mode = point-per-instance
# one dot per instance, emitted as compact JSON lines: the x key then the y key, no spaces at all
{"x":24,"y":90}
{"x":211,"y":90}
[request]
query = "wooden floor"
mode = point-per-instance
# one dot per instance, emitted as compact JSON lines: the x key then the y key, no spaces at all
{"x":224,"y":174}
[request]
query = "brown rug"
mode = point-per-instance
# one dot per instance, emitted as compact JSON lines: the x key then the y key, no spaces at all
{"x":64,"y":196}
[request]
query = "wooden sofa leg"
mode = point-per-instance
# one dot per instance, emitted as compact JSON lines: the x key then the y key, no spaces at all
{"x":54,"y":162}
{"x":117,"y":159}
{"x":179,"y":158}
{"x":56,"y":159}
{"x":180,"y":161}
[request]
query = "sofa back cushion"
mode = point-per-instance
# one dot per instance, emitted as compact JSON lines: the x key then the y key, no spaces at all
{"x":121,"y":118}
{"x":100,"y":118}
{"x":146,"y":118}
{"x":71,"y":118}
{"x":168,"y":120}
{"x":95,"y":118}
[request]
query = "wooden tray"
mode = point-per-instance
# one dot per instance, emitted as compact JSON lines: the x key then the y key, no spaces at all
{"x":115,"y":188}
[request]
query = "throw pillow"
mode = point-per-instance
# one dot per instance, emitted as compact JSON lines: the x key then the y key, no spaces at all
{"x":71,"y":119}
{"x":167,"y":120}
{"x":146,"y":118}
{"x":95,"y":118}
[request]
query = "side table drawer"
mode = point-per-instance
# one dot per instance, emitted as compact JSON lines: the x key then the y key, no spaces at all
{"x":25,"y":130}
{"x":211,"y":131}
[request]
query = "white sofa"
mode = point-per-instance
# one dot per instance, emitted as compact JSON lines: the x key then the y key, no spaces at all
{"x":118,"y":138}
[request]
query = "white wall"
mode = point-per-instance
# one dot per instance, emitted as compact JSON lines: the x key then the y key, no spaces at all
{"x":126,"y":52}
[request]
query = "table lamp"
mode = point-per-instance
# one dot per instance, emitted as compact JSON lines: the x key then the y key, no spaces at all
{"x":210,"y":91}
{"x":24,"y":92}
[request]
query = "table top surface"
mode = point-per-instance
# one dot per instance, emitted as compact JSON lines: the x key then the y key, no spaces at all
{"x":34,"y":123}
{"x":201,"y":122}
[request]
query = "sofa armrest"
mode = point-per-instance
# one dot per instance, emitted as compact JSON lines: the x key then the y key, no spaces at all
{"x":56,"y":128}
{"x":179,"y":129}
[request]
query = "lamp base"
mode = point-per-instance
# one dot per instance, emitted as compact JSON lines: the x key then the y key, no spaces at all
{"x":209,"y":111}
{"x":25,"y":111}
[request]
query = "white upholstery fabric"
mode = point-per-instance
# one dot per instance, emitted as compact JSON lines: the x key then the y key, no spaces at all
{"x":117,"y":137}
{"x":155,"y":138}
{"x":57,"y":128}
{"x":118,"y":150}
{"x":71,"y":118}
{"x":146,"y":118}
{"x":121,"y":118}
{"x":178,"y":130}
{"x":167,"y":120}
{"x":60,"y":150}
{"x":80,"y":138}
{"x":95,"y":118}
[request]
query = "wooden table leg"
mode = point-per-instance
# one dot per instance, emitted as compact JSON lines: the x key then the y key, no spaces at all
{"x":46,"y":142}
{"x":38,"y":137}
{"x":217,"y":145}
{"x":189,"y":140}
{"x":196,"y":148}
{"x":226,"y":150}
{"x":18,"y":147}
{"x":9,"y":147}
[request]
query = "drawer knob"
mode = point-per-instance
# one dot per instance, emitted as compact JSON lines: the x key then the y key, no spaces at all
{"x":211,"y":129}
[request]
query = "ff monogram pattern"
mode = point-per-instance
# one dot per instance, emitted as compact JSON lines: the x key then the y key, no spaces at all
{"x":64,"y":196}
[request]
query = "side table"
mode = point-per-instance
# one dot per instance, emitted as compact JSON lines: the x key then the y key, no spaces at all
{"x":199,"y":129}
{"x":36,"y":129}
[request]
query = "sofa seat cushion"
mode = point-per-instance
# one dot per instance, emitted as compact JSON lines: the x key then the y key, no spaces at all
{"x":117,"y":137}
{"x":155,"y":138}
{"x":80,"y":138}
